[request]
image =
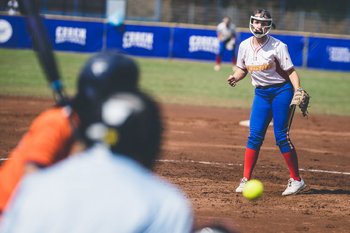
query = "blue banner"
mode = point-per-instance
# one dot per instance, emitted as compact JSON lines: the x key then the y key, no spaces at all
{"x":13,"y":33}
{"x":326,"y":53}
{"x":139,"y":40}
{"x":199,"y":44}
{"x":176,"y":42}
{"x":75,"y":35}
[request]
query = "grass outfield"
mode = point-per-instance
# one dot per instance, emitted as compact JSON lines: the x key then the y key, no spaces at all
{"x":173,"y":81}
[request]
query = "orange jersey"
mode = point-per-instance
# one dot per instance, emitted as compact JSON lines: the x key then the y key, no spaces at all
{"x":48,"y":140}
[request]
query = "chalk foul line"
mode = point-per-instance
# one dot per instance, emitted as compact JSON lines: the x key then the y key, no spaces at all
{"x":233,"y":164}
{"x":239,"y":164}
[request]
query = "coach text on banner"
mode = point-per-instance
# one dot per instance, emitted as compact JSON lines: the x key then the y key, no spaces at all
{"x":199,"y":44}
{"x":75,"y":35}
{"x":328,"y":53}
{"x":150,"y":41}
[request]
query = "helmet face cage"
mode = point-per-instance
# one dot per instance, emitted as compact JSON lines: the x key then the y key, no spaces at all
{"x":264,"y":33}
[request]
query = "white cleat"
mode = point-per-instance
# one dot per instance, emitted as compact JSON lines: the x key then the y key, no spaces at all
{"x":217,"y":67}
{"x":294,"y":187}
{"x":241,"y":185}
{"x":234,"y":68}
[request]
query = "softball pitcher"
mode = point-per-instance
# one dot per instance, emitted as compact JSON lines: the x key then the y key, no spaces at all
{"x":273,"y":74}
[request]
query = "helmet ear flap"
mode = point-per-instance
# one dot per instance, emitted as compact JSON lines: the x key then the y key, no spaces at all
{"x":128,"y":123}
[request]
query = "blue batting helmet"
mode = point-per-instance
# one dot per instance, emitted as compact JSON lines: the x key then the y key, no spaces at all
{"x":105,"y":73}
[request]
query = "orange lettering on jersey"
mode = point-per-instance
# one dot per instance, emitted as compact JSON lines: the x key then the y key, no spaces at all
{"x":260,"y":67}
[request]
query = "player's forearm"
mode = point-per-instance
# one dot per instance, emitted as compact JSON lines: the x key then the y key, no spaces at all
{"x":294,"y":78}
{"x":220,"y":36}
{"x":237,"y":76}
{"x":240,"y":74}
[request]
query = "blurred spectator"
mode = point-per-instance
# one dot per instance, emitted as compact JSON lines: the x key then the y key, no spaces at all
{"x":12,"y":7}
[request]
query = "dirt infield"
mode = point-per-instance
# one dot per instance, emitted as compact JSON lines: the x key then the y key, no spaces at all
{"x":203,"y":153}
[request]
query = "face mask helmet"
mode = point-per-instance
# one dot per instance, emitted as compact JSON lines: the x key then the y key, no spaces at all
{"x":263,"y":16}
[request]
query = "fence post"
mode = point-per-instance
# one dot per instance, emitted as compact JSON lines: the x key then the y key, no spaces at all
{"x":158,"y":10}
{"x":191,"y":12}
{"x":347,"y":27}
{"x":219,"y":11}
{"x":305,"y":51}
{"x":104,"y":37}
{"x":45,"y":7}
{"x":301,"y":21}
{"x":205,"y":12}
{"x":171,"y":41}
{"x":76,"y":7}
{"x":282,"y":13}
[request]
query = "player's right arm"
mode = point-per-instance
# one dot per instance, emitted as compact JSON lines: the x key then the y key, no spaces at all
{"x":219,"y":33}
{"x":220,"y":36}
{"x":49,"y":140}
{"x":241,"y":71}
{"x":237,"y":76}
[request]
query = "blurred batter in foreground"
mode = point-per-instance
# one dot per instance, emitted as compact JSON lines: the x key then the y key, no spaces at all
{"x":50,"y":136}
{"x":108,"y":187}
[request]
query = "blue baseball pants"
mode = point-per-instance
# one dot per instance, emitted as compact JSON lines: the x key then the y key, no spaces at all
{"x":272,"y":103}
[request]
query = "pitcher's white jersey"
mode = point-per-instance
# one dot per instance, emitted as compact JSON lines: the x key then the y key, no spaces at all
{"x":267,"y":64}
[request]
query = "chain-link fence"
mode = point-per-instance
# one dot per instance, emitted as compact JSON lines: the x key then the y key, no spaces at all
{"x":321,"y":16}
{"x":208,"y":12}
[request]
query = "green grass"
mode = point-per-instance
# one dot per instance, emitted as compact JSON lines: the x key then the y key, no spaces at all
{"x":173,"y":81}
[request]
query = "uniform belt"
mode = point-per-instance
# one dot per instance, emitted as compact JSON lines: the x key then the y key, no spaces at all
{"x":274,"y":85}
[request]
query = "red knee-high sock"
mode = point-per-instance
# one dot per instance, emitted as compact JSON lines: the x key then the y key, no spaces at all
{"x":218,"y":59}
{"x":292,"y":162}
{"x":251,"y":156}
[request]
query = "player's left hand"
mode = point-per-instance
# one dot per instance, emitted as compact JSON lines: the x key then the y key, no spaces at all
{"x":232,"y":81}
{"x":301,"y":98}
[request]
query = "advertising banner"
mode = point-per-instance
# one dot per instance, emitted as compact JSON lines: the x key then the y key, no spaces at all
{"x":199,"y":44}
{"x":13,"y":33}
{"x":75,"y":35}
{"x":327,"y":53}
{"x":166,"y":42}
{"x":139,"y":40}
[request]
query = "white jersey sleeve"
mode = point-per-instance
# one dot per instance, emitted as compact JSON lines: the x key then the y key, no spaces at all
{"x":242,"y":55}
{"x":283,"y":57}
